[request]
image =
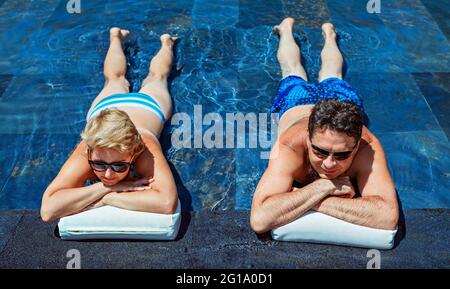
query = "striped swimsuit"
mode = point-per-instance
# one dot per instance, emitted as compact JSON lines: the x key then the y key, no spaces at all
{"x":133,"y":99}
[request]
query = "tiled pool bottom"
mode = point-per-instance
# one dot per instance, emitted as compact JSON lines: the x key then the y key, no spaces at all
{"x":225,"y":61}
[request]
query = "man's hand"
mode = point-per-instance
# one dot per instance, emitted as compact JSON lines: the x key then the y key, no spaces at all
{"x":131,"y":186}
{"x":97,"y":204}
{"x":339,"y":187}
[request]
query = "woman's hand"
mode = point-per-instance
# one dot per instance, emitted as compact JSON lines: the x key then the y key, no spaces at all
{"x":131,"y":186}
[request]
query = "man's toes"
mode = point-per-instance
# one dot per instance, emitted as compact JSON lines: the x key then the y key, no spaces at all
{"x":328,"y":27}
{"x":276,"y":29}
{"x":288,"y":21}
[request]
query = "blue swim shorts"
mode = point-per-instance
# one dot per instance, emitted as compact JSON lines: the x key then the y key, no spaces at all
{"x":294,"y":91}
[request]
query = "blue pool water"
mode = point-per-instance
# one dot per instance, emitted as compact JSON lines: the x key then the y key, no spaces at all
{"x":51,"y":70}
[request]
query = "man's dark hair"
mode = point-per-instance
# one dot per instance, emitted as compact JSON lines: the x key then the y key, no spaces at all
{"x":340,"y":116}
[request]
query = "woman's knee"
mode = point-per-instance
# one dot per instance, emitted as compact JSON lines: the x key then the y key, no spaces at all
{"x":117,"y":79}
{"x":158,"y":75}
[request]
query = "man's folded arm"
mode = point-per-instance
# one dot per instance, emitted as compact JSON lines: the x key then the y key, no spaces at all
{"x":378,"y":206}
{"x":275,"y":202}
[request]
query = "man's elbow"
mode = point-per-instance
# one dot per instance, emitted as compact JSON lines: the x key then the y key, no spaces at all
{"x":392,"y":220}
{"x":390,"y":216}
{"x":257,"y":223}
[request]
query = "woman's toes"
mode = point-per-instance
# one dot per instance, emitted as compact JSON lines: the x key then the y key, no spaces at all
{"x":168,"y":39}
{"x":115,"y":31}
{"x":124,"y":33}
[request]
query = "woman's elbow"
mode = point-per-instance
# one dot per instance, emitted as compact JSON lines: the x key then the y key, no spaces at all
{"x":170,"y":204}
{"x":46,"y":212}
{"x":47,"y":216}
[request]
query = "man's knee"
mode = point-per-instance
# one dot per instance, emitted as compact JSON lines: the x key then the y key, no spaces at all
{"x":327,"y":74}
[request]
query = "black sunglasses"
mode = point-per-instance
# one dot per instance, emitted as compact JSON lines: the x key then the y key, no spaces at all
{"x":101,"y":166}
{"x":340,"y":156}
{"x":118,"y":167}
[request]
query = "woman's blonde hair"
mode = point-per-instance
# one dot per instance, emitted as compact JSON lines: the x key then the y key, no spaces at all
{"x":113,"y":128}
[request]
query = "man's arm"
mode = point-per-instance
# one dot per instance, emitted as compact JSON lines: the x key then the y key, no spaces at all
{"x":378,"y":206}
{"x":275,"y":203}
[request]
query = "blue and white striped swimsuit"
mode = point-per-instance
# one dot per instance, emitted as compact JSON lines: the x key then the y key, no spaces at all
{"x":133,"y":99}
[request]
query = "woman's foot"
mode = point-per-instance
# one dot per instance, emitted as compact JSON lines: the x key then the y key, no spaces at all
{"x":167,"y":40}
{"x":117,"y":32}
{"x":328,"y":30}
{"x":285,"y":26}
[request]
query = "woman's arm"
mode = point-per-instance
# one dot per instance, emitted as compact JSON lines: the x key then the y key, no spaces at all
{"x":66,"y":194}
{"x":161,"y":196}
{"x":148,"y":200}
{"x":66,"y":202}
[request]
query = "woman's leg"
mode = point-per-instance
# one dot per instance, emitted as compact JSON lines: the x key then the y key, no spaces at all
{"x":331,"y":57}
{"x":115,"y":66}
{"x":155,"y":84}
{"x":288,"y":52}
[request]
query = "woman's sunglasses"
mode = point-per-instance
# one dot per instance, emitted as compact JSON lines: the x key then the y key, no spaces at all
{"x":101,"y":166}
{"x":118,"y":167}
{"x":323,"y":154}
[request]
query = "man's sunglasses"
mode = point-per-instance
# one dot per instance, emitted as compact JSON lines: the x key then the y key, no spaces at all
{"x":101,"y":166}
{"x":323,"y":154}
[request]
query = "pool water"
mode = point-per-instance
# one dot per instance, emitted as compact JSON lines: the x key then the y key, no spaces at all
{"x":51,"y":70}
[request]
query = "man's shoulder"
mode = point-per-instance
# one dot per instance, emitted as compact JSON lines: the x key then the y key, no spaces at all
{"x":370,"y":145}
{"x":295,"y":136}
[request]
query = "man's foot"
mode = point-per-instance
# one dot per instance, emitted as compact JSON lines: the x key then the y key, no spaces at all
{"x":328,"y":30}
{"x":168,"y":40}
{"x":117,"y":32}
{"x":285,"y":26}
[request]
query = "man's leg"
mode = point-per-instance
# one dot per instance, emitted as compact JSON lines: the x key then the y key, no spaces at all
{"x":289,"y":58}
{"x":331,"y":57}
{"x":155,"y":84}
{"x":288,"y":52}
{"x":115,"y":67}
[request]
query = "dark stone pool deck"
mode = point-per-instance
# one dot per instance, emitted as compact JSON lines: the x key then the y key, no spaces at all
{"x":218,"y":239}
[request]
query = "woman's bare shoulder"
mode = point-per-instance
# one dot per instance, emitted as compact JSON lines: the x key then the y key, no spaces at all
{"x":151,"y":141}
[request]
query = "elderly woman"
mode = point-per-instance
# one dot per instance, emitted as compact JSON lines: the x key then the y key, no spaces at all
{"x":119,"y":150}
